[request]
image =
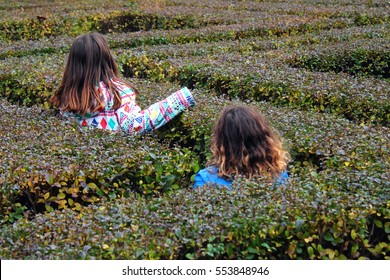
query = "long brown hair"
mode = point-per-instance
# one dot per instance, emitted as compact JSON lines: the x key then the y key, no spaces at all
{"x":243,"y":143}
{"x":89,"y":62}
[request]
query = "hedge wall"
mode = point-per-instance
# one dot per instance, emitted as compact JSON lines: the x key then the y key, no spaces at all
{"x":74,"y":171}
{"x":67,"y":166}
{"x":317,"y":71}
{"x":309,"y":219}
{"x":250,"y":75}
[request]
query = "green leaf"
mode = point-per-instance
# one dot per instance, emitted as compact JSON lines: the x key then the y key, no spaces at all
{"x":229,"y":249}
{"x":170,"y":179}
{"x":49,"y":208}
{"x":196,"y":167}
{"x":341,"y":257}
{"x":49,"y":178}
{"x":299,"y":223}
{"x":310,"y":251}
{"x":387,"y":227}
{"x":328,"y":237}
{"x":354,"y":248}
{"x":61,"y":196}
{"x":331,"y":253}
{"x":353,"y":234}
{"x":265,"y":245}
{"x":99,"y":192}
{"x":378,"y":223}
{"x":190,"y":256}
{"x":153,"y":156}
{"x":112,"y":195}
{"x":46,"y":196}
{"x":92,"y":186}
{"x":253,"y":250}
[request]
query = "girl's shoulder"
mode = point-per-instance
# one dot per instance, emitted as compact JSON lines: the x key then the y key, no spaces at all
{"x":126,"y":93}
{"x":208,"y":171}
{"x":210,"y":175}
{"x":123,"y":88}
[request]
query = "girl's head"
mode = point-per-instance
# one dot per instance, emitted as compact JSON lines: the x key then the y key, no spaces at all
{"x":244,"y":144}
{"x":89,"y":62}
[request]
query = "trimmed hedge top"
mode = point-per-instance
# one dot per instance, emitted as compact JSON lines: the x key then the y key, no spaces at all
{"x":317,"y":71}
{"x":309,"y":219}
{"x":81,"y":164}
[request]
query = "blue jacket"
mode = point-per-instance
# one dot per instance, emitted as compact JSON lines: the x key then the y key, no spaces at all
{"x":209,"y":175}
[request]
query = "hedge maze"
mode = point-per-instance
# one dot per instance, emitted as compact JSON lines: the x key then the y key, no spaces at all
{"x":318,"y":71}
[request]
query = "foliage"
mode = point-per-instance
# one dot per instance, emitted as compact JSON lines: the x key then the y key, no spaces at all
{"x":317,"y":71}
{"x":80,"y":163}
{"x":357,"y":58}
{"x":308,"y":219}
{"x":259,"y":78}
{"x":68,"y":166}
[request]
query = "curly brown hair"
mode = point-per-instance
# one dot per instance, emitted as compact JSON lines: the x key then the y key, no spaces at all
{"x":243,"y":143}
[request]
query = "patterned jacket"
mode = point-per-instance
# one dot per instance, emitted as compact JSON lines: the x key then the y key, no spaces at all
{"x":129,"y":117}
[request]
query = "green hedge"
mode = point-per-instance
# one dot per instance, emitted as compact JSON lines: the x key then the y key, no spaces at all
{"x":67,"y":166}
{"x":365,"y":57}
{"x":24,"y":21}
{"x":72,"y":157}
{"x":160,"y":34}
{"x":261,"y":78}
{"x":308,"y":219}
{"x":260,"y":72}
{"x":76,"y":193}
{"x":33,"y":29}
{"x":360,"y":62}
{"x":363,"y":100}
{"x":31,"y":80}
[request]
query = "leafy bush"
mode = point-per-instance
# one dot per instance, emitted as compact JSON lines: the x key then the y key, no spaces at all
{"x":261,"y":75}
{"x":308,"y":219}
{"x":260,"y":35}
{"x":255,"y":78}
{"x":33,"y":29}
{"x":73,"y":164}
{"x":68,"y":166}
{"x":75,"y":193}
{"x":370,"y":58}
{"x":326,"y":141}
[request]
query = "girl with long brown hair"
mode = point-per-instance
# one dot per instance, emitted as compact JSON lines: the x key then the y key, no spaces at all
{"x":243,"y":144}
{"x":92,"y":92}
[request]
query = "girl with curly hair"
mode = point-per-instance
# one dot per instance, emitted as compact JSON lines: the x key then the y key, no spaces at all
{"x":243,"y":144}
